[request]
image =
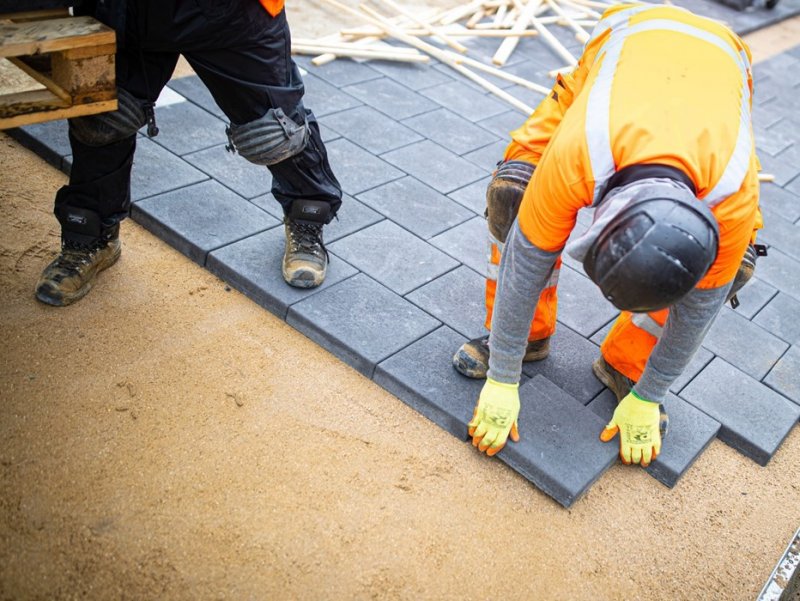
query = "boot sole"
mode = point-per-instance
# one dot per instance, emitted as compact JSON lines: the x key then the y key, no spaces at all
{"x":64,"y":300}
{"x":303,"y":279}
{"x":473,"y":368}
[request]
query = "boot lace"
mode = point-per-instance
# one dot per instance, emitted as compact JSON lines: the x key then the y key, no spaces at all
{"x":307,"y":237}
{"x":74,"y":256}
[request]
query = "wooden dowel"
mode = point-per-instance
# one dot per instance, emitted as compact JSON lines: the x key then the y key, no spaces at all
{"x":360,"y":53}
{"x":507,"y":47}
{"x":501,"y":74}
{"x":580,"y":33}
{"x":557,"y":46}
{"x":436,"y":34}
{"x":371,"y":16}
{"x":766,"y":177}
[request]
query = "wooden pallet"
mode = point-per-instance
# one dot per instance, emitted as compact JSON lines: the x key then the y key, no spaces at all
{"x":71,"y":58}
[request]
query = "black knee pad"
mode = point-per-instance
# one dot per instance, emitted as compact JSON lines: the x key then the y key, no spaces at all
{"x":270,"y":139}
{"x":106,"y":128}
{"x":504,"y":195}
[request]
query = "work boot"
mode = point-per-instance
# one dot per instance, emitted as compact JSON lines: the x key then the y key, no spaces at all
{"x":472,"y":359}
{"x":71,"y":275}
{"x":305,"y":260}
{"x":621,"y":385}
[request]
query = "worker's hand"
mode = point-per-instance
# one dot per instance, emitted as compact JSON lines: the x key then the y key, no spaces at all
{"x":637,"y":422}
{"x":495,"y":417}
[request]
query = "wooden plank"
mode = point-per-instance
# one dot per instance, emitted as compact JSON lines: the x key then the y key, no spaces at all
{"x":36,"y":37}
{"x":42,"y":79}
{"x":28,"y":102}
{"x":86,"y":79}
{"x":79,"y":110}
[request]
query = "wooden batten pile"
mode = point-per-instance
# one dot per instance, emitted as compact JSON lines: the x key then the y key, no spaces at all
{"x":440,"y":35}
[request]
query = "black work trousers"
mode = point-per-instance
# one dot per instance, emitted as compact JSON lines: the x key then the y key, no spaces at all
{"x":243,"y":56}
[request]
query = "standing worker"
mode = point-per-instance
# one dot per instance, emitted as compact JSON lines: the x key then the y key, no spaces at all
{"x":241,"y":51}
{"x":653,"y":130}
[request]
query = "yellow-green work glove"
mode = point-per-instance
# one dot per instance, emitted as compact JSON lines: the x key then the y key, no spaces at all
{"x":495,"y":417}
{"x":637,"y":421}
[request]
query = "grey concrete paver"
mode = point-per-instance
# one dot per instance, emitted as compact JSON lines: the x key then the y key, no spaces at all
{"x":393,"y":256}
{"x":473,"y":196}
{"x":418,"y":208}
{"x":360,"y":321}
{"x":423,"y":377}
{"x":200,"y":218}
{"x":785,"y":376}
{"x":744,"y":344}
{"x":451,"y":131}
{"x":559,"y":448}
{"x":467,"y":243}
{"x":371,"y":129}
{"x":391,"y":98}
{"x":185,"y":128}
{"x":457,"y":300}
{"x":232,"y":170}
{"x":780,"y":316}
{"x":356,"y":169}
{"x":754,"y":419}
{"x":434,"y":165}
{"x":157,"y":170}
{"x":465,"y":101}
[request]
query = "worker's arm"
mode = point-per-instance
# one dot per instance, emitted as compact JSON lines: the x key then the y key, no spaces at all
{"x":687,"y":324}
{"x":524,"y":271}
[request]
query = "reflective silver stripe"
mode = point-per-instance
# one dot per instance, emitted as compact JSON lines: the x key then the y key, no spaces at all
{"x":599,"y":105}
{"x":492,"y":270}
{"x":615,"y":20}
{"x":648,"y":324}
{"x":553,"y":279}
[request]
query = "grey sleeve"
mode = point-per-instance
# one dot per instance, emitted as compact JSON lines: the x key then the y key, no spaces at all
{"x":686,"y":326}
{"x":524,"y":271}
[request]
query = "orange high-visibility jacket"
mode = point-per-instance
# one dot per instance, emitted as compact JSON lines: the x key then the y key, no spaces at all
{"x":655,"y":84}
{"x":273,"y":6}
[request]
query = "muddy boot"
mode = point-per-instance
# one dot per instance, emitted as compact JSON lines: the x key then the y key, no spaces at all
{"x":305,"y":260}
{"x":472,"y":359}
{"x":621,"y":385}
{"x":70,"y":277}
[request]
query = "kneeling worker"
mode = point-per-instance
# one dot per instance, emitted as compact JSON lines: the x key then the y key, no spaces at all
{"x":653,"y":130}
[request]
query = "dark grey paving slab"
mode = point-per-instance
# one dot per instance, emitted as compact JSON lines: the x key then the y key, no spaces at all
{"x":781,"y":317}
{"x":753,"y":297}
{"x":581,"y":305}
{"x":488,"y":156}
{"x":253,"y":267}
{"x":755,"y":420}
{"x":785,"y":166}
{"x":457,"y":300}
{"x":326,"y":133}
{"x":193,"y":89}
{"x":341,"y":72}
{"x":559,"y":448}
{"x":184,"y":127}
{"x":782,"y":272}
{"x":390,"y":98}
{"x":371,"y":129}
{"x":232,"y":170}
{"x":698,"y":363}
{"x":435,"y":166}
{"x":503,"y":124}
{"x":465,"y":100}
{"x":418,"y":208}
{"x":775,"y":139}
{"x":266,"y":202}
{"x":356,"y":169}
{"x":156,"y":170}
{"x":392,"y":256}
{"x":49,"y":140}
{"x":473,"y":196}
{"x":600,"y":335}
{"x":466,"y":243}
{"x":353,"y":216}
{"x":414,"y":76}
{"x":741,"y":21}
{"x":451,"y":131}
{"x":201,"y":218}
{"x":794,"y":183}
{"x":744,"y":344}
{"x":360,"y":321}
{"x":323,"y":98}
{"x":569,"y":365}
{"x":690,"y":432}
{"x":780,"y":233}
{"x":423,"y":377}
{"x":785,"y":376}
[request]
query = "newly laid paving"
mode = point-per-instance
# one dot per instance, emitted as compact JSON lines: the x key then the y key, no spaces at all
{"x":414,"y":147}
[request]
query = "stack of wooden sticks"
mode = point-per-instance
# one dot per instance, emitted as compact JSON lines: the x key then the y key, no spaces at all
{"x":439,"y":35}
